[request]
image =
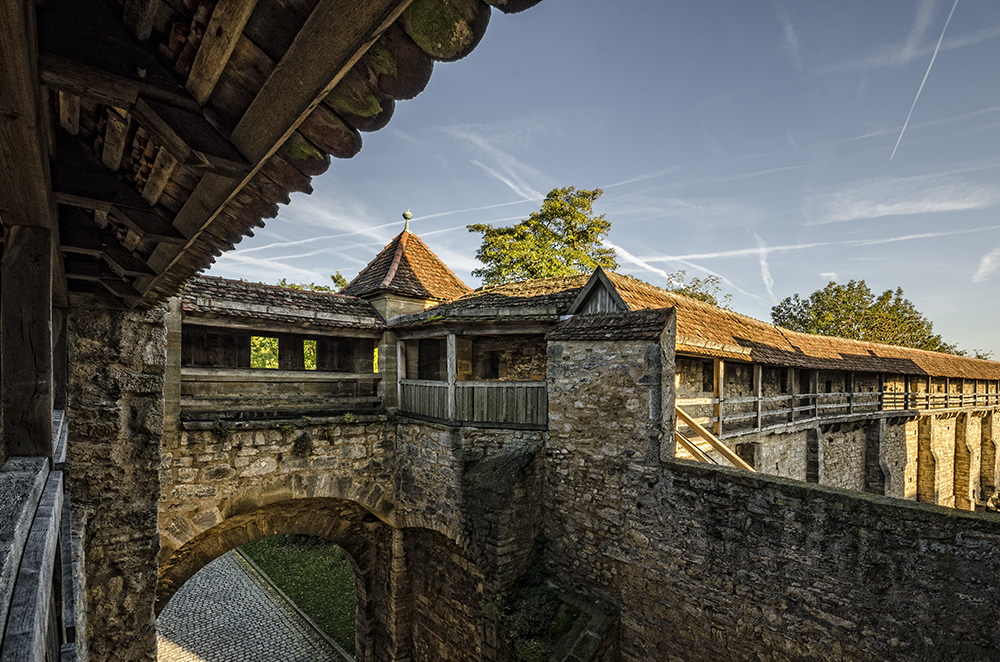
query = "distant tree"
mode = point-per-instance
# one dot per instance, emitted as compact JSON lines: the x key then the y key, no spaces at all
{"x":705,"y":289}
{"x":263,"y":352}
{"x":560,"y":239}
{"x":339,"y":283}
{"x":853,"y":311}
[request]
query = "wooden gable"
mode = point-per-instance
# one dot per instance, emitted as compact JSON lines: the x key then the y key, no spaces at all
{"x":599,"y":295}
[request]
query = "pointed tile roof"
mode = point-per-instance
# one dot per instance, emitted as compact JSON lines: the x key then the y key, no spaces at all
{"x":406,"y":266}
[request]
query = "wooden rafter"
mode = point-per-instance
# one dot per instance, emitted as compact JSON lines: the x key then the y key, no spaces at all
{"x":334,"y":37}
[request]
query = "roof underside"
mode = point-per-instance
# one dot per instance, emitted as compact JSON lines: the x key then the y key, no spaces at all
{"x":168,"y":129}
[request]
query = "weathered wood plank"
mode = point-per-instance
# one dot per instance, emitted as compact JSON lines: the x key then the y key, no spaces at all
{"x":163,"y":167}
{"x":78,"y":235}
{"x":24,"y":198}
{"x":223,"y":31}
{"x":22,"y":480}
{"x":115,"y":135}
{"x":138,"y":17}
{"x":26,"y":340}
{"x":69,"y":112}
{"x":25,"y":637}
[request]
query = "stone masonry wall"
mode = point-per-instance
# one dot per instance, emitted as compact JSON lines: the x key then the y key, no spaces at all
{"x":115,"y":404}
{"x":215,"y":473}
{"x":896,"y":458}
{"x":706,"y":563}
{"x":843,"y":454}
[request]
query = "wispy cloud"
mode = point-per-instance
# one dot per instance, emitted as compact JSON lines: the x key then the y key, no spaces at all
{"x":765,"y":270}
{"x":912,"y":48}
{"x":902,"y":197}
{"x":926,"y":74}
{"x":262,"y":269}
{"x":829,"y":275}
{"x":988,"y":265}
{"x":494,"y":144}
{"x":794,"y":248}
{"x":791,"y":39}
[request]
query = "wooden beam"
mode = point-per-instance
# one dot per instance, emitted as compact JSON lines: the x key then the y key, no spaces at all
{"x":26,"y":340}
{"x":712,"y":440}
{"x":336,"y":34}
{"x":79,"y":180}
{"x":190,"y":138}
{"x":163,"y":167}
{"x":86,"y":50}
{"x":452,"y":363}
{"x":138,"y":17}
{"x":24,"y":179}
{"x":718,"y":392}
{"x":69,"y":112}
{"x":115,"y":134}
{"x":221,"y":35}
{"x":758,"y":374}
{"x":79,"y":236}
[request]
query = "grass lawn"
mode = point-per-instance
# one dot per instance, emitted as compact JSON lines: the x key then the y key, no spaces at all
{"x":316,"y":575}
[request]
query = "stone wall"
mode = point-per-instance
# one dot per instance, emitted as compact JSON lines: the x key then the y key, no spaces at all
{"x":116,"y":408}
{"x":843,"y":454}
{"x":713,"y":564}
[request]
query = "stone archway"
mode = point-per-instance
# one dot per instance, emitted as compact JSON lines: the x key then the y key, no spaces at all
{"x":366,"y":540}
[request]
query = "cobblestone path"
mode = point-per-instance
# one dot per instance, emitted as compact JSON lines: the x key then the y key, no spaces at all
{"x":226,"y":613}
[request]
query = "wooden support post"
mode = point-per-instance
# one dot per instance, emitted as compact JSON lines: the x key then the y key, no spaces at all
{"x":814,"y":387}
{"x":60,"y":357}
{"x":850,"y":393}
{"x":718,"y":392}
{"x":26,"y":340}
{"x":906,"y":392}
{"x":947,"y":392}
{"x":400,"y":369}
{"x":452,"y":374}
{"x":758,"y":373}
{"x":291,"y":354}
{"x":792,"y":386}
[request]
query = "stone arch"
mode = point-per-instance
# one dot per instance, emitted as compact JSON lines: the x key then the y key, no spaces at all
{"x":365,"y":539}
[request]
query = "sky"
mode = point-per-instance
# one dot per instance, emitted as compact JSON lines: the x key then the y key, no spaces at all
{"x":777,"y":144}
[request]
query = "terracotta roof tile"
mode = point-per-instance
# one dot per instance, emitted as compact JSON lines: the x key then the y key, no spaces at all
{"x":635,"y":325}
{"x":208,"y":295}
{"x":406,"y":266}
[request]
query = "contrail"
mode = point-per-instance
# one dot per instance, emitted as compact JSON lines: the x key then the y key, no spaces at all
{"x":926,"y":74}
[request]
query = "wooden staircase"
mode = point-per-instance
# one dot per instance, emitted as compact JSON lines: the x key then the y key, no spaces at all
{"x":703,"y":446}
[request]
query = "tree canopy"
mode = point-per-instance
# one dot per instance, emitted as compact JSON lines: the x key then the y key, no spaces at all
{"x":705,"y":289}
{"x":854,"y":311}
{"x":562,"y":238}
{"x":339,"y":283}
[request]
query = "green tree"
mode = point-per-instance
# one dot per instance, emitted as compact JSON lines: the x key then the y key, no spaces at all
{"x":339,"y":283}
{"x":560,"y":239}
{"x":705,"y":289}
{"x":853,"y":311}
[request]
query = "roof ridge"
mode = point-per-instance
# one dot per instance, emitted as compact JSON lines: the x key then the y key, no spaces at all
{"x":274,"y":286}
{"x":396,"y":258}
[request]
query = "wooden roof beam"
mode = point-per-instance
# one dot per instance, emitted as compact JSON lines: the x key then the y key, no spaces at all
{"x":334,"y":37}
{"x":224,"y":28}
{"x":190,"y":138}
{"x":79,"y":180}
{"x":80,"y":236}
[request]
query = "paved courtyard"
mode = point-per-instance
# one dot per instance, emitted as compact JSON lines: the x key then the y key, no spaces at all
{"x":227,"y":613}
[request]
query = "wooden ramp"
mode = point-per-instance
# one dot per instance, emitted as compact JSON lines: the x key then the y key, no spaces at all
{"x":702,"y":446}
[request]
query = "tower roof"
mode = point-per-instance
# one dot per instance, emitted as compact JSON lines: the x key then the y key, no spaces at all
{"x":406,"y":266}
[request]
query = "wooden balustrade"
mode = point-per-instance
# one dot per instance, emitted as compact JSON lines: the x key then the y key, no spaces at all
{"x":232,"y":391}
{"x":495,"y":403}
{"x":739,"y":414}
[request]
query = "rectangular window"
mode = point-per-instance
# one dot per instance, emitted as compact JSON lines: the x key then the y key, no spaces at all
{"x":263,"y":352}
{"x":375,"y":360}
{"x":707,"y":377}
{"x":309,"y":354}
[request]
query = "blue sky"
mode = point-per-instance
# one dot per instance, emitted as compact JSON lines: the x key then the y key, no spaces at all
{"x":746,"y":139}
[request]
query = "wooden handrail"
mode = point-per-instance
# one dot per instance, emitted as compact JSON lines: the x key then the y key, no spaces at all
{"x":720,"y":447}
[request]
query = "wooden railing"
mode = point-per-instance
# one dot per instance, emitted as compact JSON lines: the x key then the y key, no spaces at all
{"x":230,"y":391}
{"x":717,"y":446}
{"x":740,"y":414}
{"x":37,"y":583}
{"x":495,"y":403}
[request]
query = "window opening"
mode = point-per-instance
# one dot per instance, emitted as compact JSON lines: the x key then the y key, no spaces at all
{"x":309,"y":354}
{"x":263,"y":352}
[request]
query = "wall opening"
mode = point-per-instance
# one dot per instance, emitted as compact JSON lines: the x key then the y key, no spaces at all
{"x":251,"y":601}
{"x":812,"y":456}
{"x":264,"y":352}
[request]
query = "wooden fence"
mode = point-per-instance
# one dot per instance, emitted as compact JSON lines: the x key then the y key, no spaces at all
{"x":494,"y":403}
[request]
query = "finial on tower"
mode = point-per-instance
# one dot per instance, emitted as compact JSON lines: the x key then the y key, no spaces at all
{"x":407,"y":215}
